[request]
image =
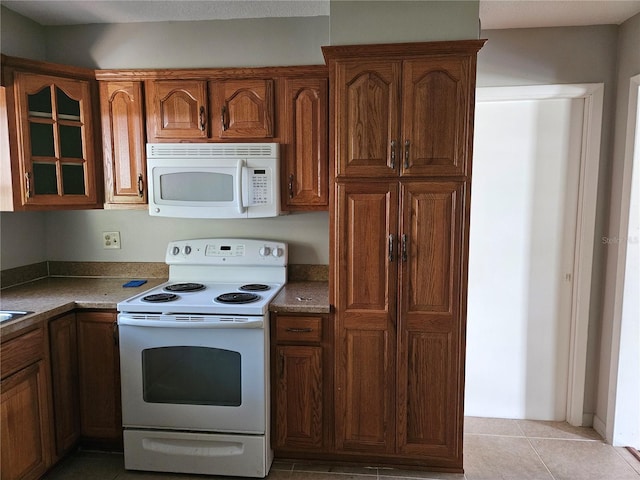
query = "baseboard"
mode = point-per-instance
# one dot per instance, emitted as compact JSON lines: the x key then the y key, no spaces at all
{"x":600,"y":427}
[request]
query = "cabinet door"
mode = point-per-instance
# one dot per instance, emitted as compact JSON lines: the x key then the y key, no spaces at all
{"x":305,"y":153}
{"x":64,"y":374}
{"x":367,"y":118}
{"x":56,"y":131}
{"x":299,"y":404}
{"x":242,"y":108}
{"x":176,"y":109}
{"x":430,"y":327}
{"x":437,"y":105}
{"x":365,"y":299}
{"x":123,"y":143}
{"x":24,"y":424}
{"x":99,"y":367}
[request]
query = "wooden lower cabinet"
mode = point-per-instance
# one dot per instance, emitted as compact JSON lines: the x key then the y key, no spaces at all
{"x":301,"y":380}
{"x":99,"y":383}
{"x":25,"y":417}
{"x":63,"y":348}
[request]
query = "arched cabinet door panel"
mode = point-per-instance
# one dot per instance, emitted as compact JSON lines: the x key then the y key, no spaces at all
{"x":176,"y":109}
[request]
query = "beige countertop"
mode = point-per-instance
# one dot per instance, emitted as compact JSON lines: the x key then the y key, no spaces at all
{"x":302,"y":297}
{"x":53,"y":296}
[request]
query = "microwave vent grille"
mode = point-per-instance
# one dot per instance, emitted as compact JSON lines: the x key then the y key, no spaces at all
{"x":212,"y":150}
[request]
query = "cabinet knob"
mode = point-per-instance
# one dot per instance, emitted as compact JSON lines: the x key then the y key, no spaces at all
{"x":140,"y":186}
{"x":391,"y":247}
{"x":291,"y":186}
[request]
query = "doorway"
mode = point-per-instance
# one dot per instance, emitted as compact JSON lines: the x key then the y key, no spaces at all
{"x":536,"y":155}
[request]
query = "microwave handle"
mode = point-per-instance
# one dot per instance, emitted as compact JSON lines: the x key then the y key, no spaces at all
{"x":239,"y":185}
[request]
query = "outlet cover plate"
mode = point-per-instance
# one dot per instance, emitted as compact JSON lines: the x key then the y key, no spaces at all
{"x":111,"y":239}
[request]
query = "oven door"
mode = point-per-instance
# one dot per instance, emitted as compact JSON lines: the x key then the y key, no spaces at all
{"x":199,"y":376}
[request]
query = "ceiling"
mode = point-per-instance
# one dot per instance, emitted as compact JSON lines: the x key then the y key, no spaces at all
{"x":494,"y":14}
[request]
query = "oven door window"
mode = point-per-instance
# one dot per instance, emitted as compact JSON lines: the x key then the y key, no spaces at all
{"x":192,"y":376}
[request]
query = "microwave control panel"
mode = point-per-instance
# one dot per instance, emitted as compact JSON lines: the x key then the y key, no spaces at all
{"x":259,"y":188}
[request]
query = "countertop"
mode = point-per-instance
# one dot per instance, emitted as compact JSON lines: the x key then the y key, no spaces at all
{"x":302,"y":297}
{"x":53,"y":296}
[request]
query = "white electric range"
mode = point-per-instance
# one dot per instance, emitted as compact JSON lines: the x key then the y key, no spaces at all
{"x":194,"y":356}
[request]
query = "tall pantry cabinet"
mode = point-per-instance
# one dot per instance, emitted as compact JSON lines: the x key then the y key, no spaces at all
{"x":401,"y":145}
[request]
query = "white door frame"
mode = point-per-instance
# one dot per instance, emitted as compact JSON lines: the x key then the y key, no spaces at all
{"x":593,"y":95}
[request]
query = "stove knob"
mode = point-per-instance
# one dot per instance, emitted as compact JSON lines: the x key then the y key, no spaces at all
{"x":277,"y":252}
{"x":175,"y":250}
{"x":187,"y":250}
{"x":265,"y":251}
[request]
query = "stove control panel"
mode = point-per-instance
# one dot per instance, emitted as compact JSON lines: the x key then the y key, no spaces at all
{"x":225,"y":251}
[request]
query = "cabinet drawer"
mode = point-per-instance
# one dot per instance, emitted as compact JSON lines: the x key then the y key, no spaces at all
{"x":20,"y":352}
{"x":293,"y":328}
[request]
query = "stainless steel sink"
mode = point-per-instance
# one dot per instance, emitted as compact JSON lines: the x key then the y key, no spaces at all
{"x":6,"y":315}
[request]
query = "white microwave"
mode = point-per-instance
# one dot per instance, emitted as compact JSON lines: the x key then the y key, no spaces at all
{"x":214,"y":180}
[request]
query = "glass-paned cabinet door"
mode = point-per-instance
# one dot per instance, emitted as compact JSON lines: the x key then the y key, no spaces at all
{"x":57,"y":154}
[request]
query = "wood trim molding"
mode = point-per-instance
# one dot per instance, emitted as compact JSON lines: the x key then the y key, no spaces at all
{"x":211,"y":73}
{"x":455,"y":47}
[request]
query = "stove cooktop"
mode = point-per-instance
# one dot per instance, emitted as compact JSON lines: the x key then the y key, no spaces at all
{"x":204,"y":298}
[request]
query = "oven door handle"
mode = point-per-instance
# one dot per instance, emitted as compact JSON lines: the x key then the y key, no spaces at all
{"x":188,"y":321}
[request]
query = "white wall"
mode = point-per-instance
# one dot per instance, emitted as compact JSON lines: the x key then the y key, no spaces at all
{"x":23,"y":239}
{"x":629,"y":65}
{"x":535,"y":56}
{"x":358,"y":22}
{"x":21,"y":37}
{"x":215,"y":43}
{"x":77,"y":235}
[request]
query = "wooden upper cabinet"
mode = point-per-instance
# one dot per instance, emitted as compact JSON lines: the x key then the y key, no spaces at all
{"x":176,"y":109}
{"x":210,"y":110}
{"x":403,"y":109}
{"x":125,"y":167}
{"x":52,"y":156}
{"x":242,"y":108}
{"x":305,"y":150}
{"x":367,"y":118}
{"x":437,"y":108}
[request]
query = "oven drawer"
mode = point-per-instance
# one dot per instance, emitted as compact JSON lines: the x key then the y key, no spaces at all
{"x":298,"y":328}
{"x":201,"y":453}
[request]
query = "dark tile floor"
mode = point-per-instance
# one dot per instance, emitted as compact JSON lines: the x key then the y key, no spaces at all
{"x":495,"y":449}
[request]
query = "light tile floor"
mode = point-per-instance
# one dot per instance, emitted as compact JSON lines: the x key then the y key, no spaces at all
{"x":494,"y":449}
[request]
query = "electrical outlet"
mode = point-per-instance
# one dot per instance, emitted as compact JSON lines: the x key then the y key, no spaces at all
{"x":111,"y":239}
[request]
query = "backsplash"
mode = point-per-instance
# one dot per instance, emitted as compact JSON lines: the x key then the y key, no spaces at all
{"x":138,"y":270}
